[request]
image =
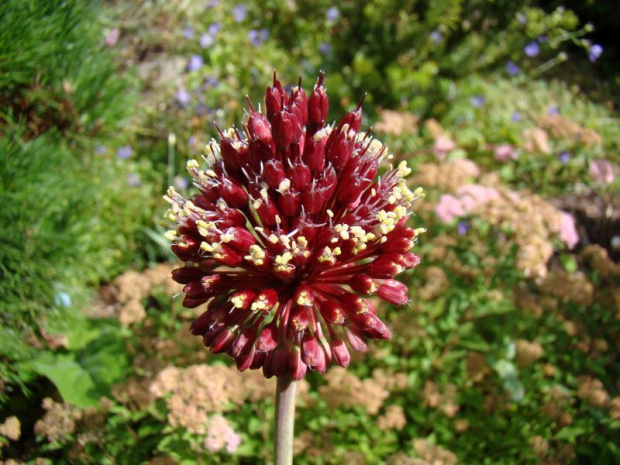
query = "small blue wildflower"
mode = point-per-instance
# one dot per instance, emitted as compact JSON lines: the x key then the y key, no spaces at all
{"x":124,"y":152}
{"x":553,"y":110}
{"x":212,"y":81}
{"x":239,"y":13}
{"x":477,"y":101}
{"x":325,"y":48}
{"x":333,"y":14}
{"x":101,"y":149}
{"x":516,"y":116}
{"x":564,"y":157}
{"x":532,"y":49}
{"x":133,"y":180}
{"x":201,"y":109}
{"x":258,"y":37}
{"x":188,"y":32}
{"x":195,"y":62}
{"x":463,"y":227}
{"x":436,"y":37}
{"x":542,"y":39}
{"x":213,"y":3}
{"x":206,"y":40}
{"x":512,"y":69}
{"x":214,"y":28}
{"x":594,"y":52}
{"x":182,"y":98}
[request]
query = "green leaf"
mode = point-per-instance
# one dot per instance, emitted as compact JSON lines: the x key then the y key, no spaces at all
{"x":75,"y":384}
{"x":570,"y":432}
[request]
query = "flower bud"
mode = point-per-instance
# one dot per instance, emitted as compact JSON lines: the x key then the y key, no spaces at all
{"x":201,"y":324}
{"x":309,"y":350}
{"x":300,"y":176}
{"x":314,"y":154}
{"x":399,"y":245}
{"x":286,"y":128}
{"x":372,"y":326}
{"x":232,"y":192}
{"x":243,"y":299}
{"x":259,"y":127}
{"x":394,"y":292}
{"x":356,"y":339}
{"x":340,"y":352}
{"x":245,"y":359}
{"x":333,"y":312}
{"x":363,"y":284}
{"x":244,"y":341}
{"x":384,"y":267}
{"x":318,"y":104}
{"x":299,"y":319}
{"x":298,"y":368}
{"x":267,"y":340}
{"x":223,"y":340}
{"x":273,"y":173}
{"x":187,"y":274}
{"x":289,"y":204}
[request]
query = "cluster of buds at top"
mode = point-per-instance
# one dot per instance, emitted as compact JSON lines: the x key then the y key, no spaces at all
{"x":290,"y":233}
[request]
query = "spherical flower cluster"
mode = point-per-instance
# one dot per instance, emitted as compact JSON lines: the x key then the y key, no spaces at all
{"x":290,"y":233}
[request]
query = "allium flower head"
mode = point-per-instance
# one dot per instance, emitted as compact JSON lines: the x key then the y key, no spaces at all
{"x":290,"y":233}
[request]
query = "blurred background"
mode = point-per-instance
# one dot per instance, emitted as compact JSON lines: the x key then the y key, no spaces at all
{"x":506,"y":111}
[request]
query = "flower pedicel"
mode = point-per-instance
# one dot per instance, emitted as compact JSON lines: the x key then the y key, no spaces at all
{"x":291,"y":231}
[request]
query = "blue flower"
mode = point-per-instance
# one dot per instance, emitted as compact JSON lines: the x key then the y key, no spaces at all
{"x":195,"y":62}
{"x":188,"y":33}
{"x":124,"y":152}
{"x":325,"y":48}
{"x":333,"y":14}
{"x":206,"y":40}
{"x":532,"y":49}
{"x":564,"y":157}
{"x":101,"y":149}
{"x":214,"y":28}
{"x":512,"y":69}
{"x":436,"y":37}
{"x":463,"y":227}
{"x":553,"y":110}
{"x":477,"y":101}
{"x":211,"y":81}
{"x":542,"y":39}
{"x":239,"y":13}
{"x":516,"y":116}
{"x":258,"y":37}
{"x":594,"y":52}
{"x":183,"y":98}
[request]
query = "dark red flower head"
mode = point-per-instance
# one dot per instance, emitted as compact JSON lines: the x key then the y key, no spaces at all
{"x":291,"y":231}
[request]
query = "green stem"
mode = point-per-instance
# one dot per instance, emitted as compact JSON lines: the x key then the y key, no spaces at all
{"x":285,"y":420}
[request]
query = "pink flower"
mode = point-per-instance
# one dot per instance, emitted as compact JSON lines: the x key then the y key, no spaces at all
{"x":602,"y":171}
{"x":449,"y":208}
{"x":292,"y":229}
{"x":443,"y":146}
{"x":505,"y":152}
{"x":112,"y":37}
{"x":568,"y":230}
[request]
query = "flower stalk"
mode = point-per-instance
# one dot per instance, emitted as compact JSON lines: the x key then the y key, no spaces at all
{"x":286,"y":390}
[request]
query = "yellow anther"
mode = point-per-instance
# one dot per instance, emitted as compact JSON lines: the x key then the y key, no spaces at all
{"x":171,"y":235}
{"x":192,"y":165}
{"x":238,"y":301}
